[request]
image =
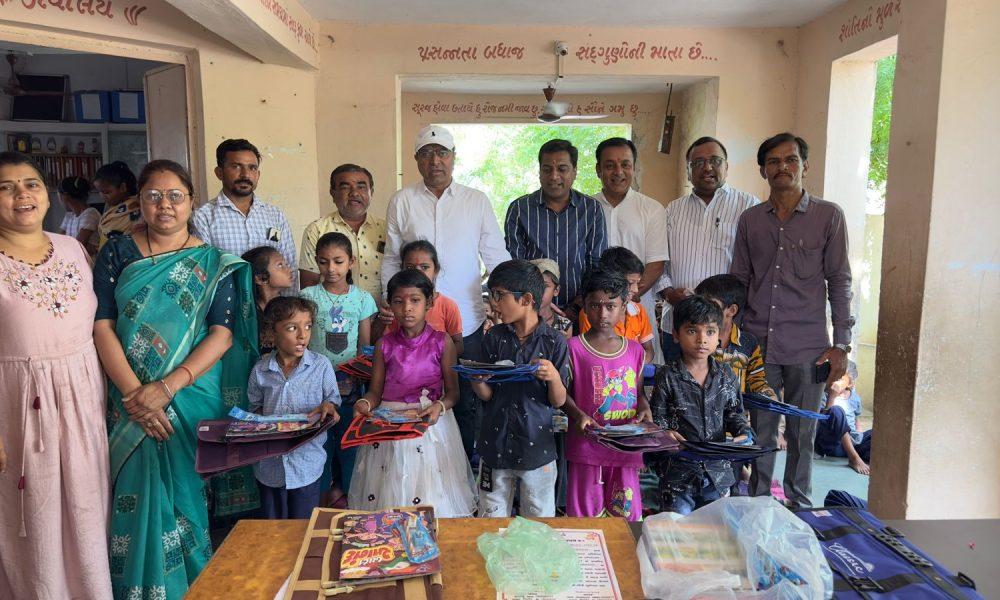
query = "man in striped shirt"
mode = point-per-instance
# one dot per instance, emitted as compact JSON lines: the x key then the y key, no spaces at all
{"x":558,"y":222}
{"x":701,"y":229}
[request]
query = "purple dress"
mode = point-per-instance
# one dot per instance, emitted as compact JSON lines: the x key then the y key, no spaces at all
{"x":413,"y":365}
{"x":431,"y":469}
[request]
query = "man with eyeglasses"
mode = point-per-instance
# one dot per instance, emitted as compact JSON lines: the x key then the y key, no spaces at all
{"x":459,"y":221}
{"x":791,"y":252}
{"x":701,"y":228}
{"x":237,"y":220}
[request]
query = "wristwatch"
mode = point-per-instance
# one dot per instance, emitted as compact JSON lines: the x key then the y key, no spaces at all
{"x":845,"y":347}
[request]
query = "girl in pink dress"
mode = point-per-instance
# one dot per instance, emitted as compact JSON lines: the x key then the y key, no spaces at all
{"x":607,"y":390}
{"x":54,"y":488}
{"x":412,"y":369}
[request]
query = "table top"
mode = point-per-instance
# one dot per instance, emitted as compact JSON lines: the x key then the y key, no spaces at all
{"x":257,"y":557}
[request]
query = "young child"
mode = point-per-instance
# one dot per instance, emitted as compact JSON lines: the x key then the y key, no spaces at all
{"x":292,"y":379}
{"x":343,"y":325}
{"x":548,"y":311}
{"x":412,"y":363}
{"x":839,"y":436}
{"x":696,"y":398}
{"x":271,"y":276}
{"x":444,"y":314}
{"x":635,"y":325}
{"x":606,"y":390}
{"x":516,"y":445}
{"x":738,"y":349}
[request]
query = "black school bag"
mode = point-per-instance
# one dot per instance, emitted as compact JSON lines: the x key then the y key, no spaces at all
{"x":873,"y":562}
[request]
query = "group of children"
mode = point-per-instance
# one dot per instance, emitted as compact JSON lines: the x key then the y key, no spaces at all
{"x":596,"y":378}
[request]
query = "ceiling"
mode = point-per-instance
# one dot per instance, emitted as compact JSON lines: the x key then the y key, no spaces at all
{"x":527,"y":84}
{"x":620,"y":13}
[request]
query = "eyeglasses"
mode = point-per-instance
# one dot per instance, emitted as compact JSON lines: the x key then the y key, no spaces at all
{"x":426,"y":153}
{"x":156,"y":196}
{"x":699,"y":163}
{"x":497,"y":295}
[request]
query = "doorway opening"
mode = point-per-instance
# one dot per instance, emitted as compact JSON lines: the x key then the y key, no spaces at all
{"x":501,"y":159}
{"x":74,"y":111}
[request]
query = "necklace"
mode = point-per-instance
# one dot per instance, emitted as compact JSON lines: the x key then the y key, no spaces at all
{"x":149,"y":245}
{"x":45,"y":259}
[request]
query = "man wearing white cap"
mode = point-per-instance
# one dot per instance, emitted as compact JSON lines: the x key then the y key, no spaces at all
{"x":459,"y":221}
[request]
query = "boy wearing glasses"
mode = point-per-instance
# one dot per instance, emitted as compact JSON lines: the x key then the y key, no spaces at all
{"x":516,"y":444}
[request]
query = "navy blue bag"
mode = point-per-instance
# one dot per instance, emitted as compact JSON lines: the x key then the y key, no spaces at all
{"x":873,"y":562}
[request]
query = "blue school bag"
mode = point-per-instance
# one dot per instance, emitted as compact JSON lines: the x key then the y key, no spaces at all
{"x":873,"y":562}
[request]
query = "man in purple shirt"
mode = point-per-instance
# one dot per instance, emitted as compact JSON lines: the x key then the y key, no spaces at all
{"x":791,"y":252}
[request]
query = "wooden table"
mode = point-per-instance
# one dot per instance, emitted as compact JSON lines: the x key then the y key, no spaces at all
{"x":257,"y":556}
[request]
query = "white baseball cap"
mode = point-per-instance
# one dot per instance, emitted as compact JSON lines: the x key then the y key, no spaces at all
{"x":434,"y":134}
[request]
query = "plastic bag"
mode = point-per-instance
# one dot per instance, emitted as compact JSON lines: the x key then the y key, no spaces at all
{"x":529,"y":557}
{"x":733,"y":548}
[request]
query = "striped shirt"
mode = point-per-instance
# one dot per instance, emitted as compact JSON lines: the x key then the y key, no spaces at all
{"x":574,"y":237}
{"x":220,"y":224}
{"x":311,"y":383}
{"x":700,"y":238}
{"x":463,"y":229}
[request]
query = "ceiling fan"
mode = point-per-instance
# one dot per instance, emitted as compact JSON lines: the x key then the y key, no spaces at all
{"x":13,"y":86}
{"x":554,"y":111}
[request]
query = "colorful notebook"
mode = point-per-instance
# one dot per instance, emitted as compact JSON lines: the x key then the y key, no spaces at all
{"x":387,"y":545}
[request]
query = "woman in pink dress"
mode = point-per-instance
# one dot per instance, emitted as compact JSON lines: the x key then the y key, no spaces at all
{"x":54,"y":489}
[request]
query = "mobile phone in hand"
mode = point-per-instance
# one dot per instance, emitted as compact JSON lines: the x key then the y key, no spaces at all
{"x":821,"y":372}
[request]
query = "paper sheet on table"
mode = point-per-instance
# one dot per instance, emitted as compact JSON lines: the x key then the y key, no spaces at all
{"x":598,"y":581}
{"x":284,"y":588}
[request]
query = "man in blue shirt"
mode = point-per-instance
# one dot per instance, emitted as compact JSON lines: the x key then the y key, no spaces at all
{"x":558,"y":222}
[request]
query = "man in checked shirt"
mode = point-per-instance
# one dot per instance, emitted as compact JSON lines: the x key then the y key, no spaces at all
{"x":791,"y":252}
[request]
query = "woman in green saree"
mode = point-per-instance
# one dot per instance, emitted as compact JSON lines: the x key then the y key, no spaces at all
{"x":176,"y":334}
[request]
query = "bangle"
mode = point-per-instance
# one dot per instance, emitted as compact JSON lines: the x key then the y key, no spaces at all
{"x":189,"y":373}
{"x":365,"y":400}
{"x":170,"y":394}
{"x":443,"y":407}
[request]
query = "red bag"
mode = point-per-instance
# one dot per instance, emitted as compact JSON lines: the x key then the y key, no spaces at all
{"x":363,"y":431}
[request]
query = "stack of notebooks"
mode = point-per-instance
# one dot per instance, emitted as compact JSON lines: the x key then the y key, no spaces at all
{"x":359,"y":367}
{"x":386,"y":425}
{"x":762,"y":402}
{"x":246,"y":438}
{"x":391,"y":555}
{"x":705,"y":451}
{"x":634,"y":437}
{"x":501,"y":372}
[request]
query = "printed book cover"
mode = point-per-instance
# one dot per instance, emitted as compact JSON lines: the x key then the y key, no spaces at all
{"x":387,"y":545}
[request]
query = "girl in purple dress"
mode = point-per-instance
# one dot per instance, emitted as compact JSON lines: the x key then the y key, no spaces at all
{"x":412,"y":370}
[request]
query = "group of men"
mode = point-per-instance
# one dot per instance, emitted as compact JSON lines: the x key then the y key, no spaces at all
{"x":790,"y":251}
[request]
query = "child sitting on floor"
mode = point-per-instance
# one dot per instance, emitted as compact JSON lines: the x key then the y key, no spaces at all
{"x":292,"y":379}
{"x":635,"y":325}
{"x":839,"y":436}
{"x":607,"y":390}
{"x":516,"y":445}
{"x":696,"y":398}
{"x":410,"y":364}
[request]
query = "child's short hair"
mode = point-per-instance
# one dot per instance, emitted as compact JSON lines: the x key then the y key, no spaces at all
{"x":727,"y":289}
{"x":696,"y":310}
{"x":410,"y":278}
{"x":622,"y":260}
{"x":604,"y":280}
{"x":337,"y":240}
{"x":283,"y":307}
{"x":519,"y":276}
{"x":421,"y":246}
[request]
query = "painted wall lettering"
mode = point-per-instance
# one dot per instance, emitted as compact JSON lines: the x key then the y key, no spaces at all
{"x":98,"y":8}
{"x":498,"y":51}
{"x":877,"y":15}
{"x":479,"y":110}
{"x":610,"y":55}
{"x":301,"y":33}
